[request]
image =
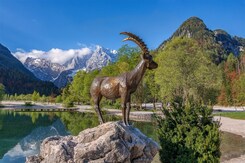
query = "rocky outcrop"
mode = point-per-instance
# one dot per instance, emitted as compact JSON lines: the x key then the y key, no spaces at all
{"x":218,"y":43}
{"x":109,"y":142}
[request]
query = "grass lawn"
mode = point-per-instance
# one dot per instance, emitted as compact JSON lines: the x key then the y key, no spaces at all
{"x":234,"y":115}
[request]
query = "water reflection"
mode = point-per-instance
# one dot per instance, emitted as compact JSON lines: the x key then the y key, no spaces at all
{"x":22,"y":132}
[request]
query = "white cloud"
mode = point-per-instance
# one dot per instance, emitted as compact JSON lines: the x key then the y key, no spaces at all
{"x":54,"y":55}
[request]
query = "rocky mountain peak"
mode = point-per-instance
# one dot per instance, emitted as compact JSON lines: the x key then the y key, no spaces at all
{"x":193,"y":27}
{"x":59,"y":65}
{"x":43,"y":69}
{"x":218,"y":42}
{"x":190,"y":27}
{"x":220,"y":32}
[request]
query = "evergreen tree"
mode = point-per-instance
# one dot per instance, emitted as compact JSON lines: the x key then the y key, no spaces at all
{"x":66,"y":96}
{"x":58,"y":99}
{"x":151,"y":88}
{"x":35,"y":96}
{"x":1,"y":92}
{"x":77,"y":87}
{"x":188,"y":134}
{"x":87,"y":84}
{"x":240,"y":89}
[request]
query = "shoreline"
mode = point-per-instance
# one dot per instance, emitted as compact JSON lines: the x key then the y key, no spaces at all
{"x":234,"y":126}
{"x":227,"y":124}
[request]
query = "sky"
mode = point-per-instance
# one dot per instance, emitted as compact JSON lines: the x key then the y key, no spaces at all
{"x":44,"y":25}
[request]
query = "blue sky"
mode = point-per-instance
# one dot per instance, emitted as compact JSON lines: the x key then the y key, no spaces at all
{"x":71,"y":24}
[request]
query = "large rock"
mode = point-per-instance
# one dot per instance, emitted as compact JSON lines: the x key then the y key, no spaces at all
{"x":109,"y":142}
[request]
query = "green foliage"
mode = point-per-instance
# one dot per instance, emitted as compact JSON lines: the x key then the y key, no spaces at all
{"x":66,"y":97}
{"x":77,"y":86}
{"x":151,"y":87}
{"x":79,"y":89}
{"x":88,"y":79}
{"x":58,"y":99}
{"x":68,"y":102}
{"x":233,"y":79}
{"x":185,"y":71}
{"x":188,"y":134}
{"x":75,"y":122}
{"x":35,"y":96}
{"x":232,"y":62}
{"x":240,"y":89}
{"x":28,"y":103}
{"x":2,"y":92}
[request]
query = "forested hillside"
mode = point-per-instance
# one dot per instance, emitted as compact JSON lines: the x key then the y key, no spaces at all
{"x":17,"y":79}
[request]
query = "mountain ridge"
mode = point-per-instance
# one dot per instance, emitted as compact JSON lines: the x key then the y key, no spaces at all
{"x":17,"y":79}
{"x":219,"y":42}
{"x":46,"y":69}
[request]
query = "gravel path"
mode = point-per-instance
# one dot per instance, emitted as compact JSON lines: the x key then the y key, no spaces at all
{"x":232,"y":125}
{"x":240,"y":159}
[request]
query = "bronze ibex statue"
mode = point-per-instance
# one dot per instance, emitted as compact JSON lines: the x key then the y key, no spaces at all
{"x":124,"y":85}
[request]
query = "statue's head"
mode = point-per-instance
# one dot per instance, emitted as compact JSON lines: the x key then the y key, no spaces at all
{"x":150,"y":64}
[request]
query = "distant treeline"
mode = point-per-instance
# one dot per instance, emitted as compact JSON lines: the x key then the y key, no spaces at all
{"x":186,"y":71}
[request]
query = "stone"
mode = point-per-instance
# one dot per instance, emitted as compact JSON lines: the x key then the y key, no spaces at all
{"x":108,"y":142}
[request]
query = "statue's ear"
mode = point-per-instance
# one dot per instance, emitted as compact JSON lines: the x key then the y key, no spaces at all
{"x":147,"y":56}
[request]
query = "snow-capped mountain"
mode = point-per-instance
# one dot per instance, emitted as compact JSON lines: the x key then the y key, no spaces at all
{"x":64,"y":78}
{"x":100,"y":58}
{"x":44,"y":69}
{"x":59,"y":65}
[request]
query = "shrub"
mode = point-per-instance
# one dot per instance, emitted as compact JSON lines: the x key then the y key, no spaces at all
{"x":68,"y":102}
{"x":188,"y":134}
{"x":28,"y":103}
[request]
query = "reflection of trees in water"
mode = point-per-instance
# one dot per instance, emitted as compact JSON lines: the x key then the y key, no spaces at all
{"x":14,"y":126}
{"x":147,"y":128}
{"x":77,"y":122}
{"x":36,"y":115}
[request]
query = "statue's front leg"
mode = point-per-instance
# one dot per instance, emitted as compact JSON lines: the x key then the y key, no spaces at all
{"x":128,"y":110}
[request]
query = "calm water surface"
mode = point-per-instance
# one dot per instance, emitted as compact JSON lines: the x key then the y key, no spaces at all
{"x":21,"y":133}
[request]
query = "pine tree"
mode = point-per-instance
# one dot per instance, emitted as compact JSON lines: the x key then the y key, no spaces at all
{"x":1,"y":92}
{"x":188,"y":134}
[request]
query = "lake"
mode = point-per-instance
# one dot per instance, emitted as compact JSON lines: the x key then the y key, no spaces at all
{"x":21,"y":133}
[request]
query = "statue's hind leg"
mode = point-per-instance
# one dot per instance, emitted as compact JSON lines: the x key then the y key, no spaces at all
{"x":97,"y":100}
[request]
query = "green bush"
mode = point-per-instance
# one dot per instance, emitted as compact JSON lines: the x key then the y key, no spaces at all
{"x":28,"y":103}
{"x":68,"y":102}
{"x":188,"y":134}
{"x":58,"y":99}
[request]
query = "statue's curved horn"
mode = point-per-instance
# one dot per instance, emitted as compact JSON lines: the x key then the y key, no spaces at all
{"x":137,"y":40}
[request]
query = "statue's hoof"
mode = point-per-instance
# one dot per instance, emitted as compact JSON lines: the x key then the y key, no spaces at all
{"x":129,"y":124}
